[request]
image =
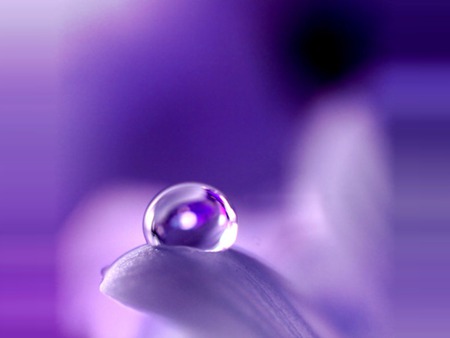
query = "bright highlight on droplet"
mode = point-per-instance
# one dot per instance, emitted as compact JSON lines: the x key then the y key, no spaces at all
{"x":188,"y":220}
{"x":191,"y":214}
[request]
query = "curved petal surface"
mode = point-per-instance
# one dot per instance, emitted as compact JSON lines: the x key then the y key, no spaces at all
{"x":227,"y":294}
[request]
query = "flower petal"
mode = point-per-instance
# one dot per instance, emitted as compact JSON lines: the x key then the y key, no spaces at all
{"x":222,"y":294}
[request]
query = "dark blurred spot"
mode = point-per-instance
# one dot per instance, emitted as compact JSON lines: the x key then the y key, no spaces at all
{"x":328,"y":43}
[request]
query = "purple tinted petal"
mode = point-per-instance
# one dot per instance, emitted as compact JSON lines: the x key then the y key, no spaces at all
{"x":224,"y":294}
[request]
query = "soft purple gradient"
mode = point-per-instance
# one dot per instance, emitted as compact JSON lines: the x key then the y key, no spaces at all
{"x":29,"y":171}
{"x":50,"y":160}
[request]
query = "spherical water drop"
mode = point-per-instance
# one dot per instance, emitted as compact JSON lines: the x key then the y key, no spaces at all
{"x":193,"y":215}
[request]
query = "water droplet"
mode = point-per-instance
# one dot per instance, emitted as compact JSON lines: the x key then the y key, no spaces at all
{"x":191,"y":214}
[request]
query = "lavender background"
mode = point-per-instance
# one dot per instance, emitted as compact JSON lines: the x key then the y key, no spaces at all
{"x":97,"y":93}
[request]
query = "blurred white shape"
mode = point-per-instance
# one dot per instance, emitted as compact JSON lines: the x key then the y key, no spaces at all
{"x":329,"y":234}
{"x":337,"y":206}
{"x":102,"y":228}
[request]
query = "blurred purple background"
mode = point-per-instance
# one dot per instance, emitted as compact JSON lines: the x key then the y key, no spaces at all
{"x":103,"y":102}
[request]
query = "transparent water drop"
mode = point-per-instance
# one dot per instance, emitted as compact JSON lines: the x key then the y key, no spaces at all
{"x":191,"y":214}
